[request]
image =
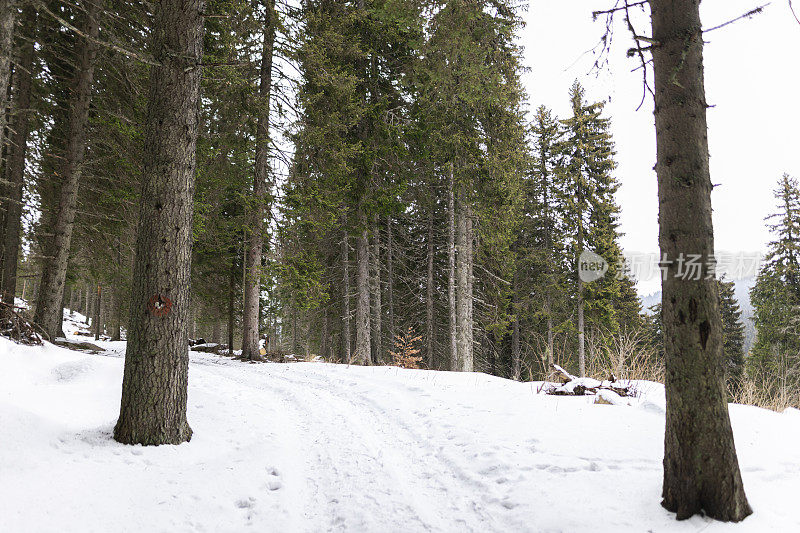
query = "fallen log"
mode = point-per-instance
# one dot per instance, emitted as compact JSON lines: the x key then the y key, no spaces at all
{"x":575,"y":386}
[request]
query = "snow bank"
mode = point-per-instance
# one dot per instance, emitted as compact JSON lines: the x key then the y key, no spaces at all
{"x":320,"y":447}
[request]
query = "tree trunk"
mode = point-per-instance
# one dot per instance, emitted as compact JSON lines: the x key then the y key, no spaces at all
{"x":231,"y":304}
{"x":15,"y":165}
{"x":463,"y":296}
{"x":516,"y":355}
{"x":429,"y":340}
{"x":216,"y":331}
{"x":8,"y":12}
{"x":580,"y":303}
{"x":261,"y":192}
{"x":346,"y":357}
{"x":72,"y":294}
{"x":97,"y":312}
{"x":390,"y":278}
{"x":54,"y":270}
{"x":153,"y":407}
{"x":451,"y":271}
{"x":701,"y":470}
{"x":362,"y":353}
{"x":377,"y":334}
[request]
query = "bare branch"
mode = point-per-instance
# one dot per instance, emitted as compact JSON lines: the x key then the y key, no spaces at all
{"x":747,"y":15}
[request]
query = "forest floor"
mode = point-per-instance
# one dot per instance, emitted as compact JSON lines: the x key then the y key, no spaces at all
{"x":320,"y":447}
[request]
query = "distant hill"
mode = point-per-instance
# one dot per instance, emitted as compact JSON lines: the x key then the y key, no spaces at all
{"x":741,"y":292}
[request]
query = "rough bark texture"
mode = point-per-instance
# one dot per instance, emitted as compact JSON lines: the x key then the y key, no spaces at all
{"x":464,"y":359}
{"x":361,"y":353}
{"x":54,"y":270}
{"x":153,"y":408}
{"x":346,"y":356}
{"x":390,"y":277}
{"x":701,"y":471}
{"x":18,"y":143}
{"x":516,"y":355}
{"x":451,"y":271}
{"x":8,"y":12}
{"x":375,"y":290}
{"x":261,"y":192}
{"x":429,"y":339}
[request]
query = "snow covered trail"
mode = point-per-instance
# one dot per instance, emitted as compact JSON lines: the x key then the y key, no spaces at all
{"x":317,"y":447}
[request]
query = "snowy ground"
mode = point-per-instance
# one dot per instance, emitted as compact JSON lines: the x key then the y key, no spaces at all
{"x":317,"y":447}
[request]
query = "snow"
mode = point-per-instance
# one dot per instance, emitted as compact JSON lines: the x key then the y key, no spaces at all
{"x":321,"y":447}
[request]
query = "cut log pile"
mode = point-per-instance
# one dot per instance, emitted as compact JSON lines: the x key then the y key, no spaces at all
{"x":18,"y":328}
{"x":575,"y":386}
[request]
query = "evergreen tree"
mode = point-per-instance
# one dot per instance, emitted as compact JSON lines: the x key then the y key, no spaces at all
{"x":776,"y":294}
{"x":732,"y":335}
{"x":588,"y":186}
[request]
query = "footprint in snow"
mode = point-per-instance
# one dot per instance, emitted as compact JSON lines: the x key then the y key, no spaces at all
{"x":246,"y":503}
{"x":274,"y":482}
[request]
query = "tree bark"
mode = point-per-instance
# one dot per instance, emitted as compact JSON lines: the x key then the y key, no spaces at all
{"x":54,"y":270}
{"x":451,"y":271}
{"x":346,"y":356}
{"x":362,"y":353}
{"x":429,"y":295}
{"x":261,"y":193}
{"x":15,"y":165}
{"x":701,"y":470}
{"x":463,"y":294}
{"x":516,"y":354}
{"x":153,"y":407}
{"x":8,"y":12}
{"x":390,"y":278}
{"x":231,"y":304}
{"x":580,"y":302}
{"x":97,"y":312}
{"x":375,"y":289}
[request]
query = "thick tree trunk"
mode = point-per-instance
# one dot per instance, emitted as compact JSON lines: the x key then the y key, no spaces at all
{"x":375,"y":289}
{"x":362,"y":353}
{"x":463,"y":288}
{"x":346,"y":356}
{"x":429,"y":296}
{"x":8,"y":12}
{"x":54,"y":270}
{"x":261,"y":193}
{"x":701,"y":470}
{"x":451,"y":271}
{"x":15,"y":165}
{"x":153,"y":408}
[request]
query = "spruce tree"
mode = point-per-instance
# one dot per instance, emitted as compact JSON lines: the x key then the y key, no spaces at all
{"x":776,"y":294}
{"x":155,"y":381}
{"x":732,"y":335}
{"x":701,"y":469}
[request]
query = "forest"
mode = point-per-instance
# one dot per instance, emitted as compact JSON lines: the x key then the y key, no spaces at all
{"x":365,"y":183}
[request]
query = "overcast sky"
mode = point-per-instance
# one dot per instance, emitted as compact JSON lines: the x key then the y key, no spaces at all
{"x":752,"y":80}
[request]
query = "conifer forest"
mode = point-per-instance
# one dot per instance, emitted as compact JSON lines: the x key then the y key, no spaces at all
{"x":363,"y":277}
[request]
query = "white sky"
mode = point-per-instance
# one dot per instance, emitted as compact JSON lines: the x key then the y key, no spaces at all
{"x":752,"y":78}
